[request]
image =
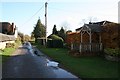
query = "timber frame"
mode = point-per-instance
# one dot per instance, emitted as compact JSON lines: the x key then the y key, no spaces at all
{"x":90,"y":45}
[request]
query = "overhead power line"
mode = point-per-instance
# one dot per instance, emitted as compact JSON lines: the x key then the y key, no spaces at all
{"x":32,"y":16}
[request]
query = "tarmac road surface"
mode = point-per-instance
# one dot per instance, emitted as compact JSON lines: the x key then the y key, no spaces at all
{"x":24,"y":64}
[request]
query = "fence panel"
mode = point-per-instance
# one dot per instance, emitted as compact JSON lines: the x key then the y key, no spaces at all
{"x":87,"y":47}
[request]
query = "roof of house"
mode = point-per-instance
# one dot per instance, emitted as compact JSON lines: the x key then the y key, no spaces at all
{"x":100,"y":23}
{"x":95,"y":26}
{"x":4,"y":37}
{"x":4,"y":24}
{"x":7,"y":28}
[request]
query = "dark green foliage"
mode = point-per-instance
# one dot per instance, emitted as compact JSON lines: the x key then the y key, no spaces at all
{"x":54,"y":30}
{"x":62,"y":33}
{"x":112,"y":52}
{"x":55,"y":37}
{"x":21,"y":35}
{"x":40,"y":41}
{"x":55,"y":41}
{"x":32,"y":35}
{"x":39,"y":30}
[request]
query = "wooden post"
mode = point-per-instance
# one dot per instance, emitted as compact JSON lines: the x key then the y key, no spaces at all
{"x":80,"y":47}
{"x":90,"y":39}
{"x":100,"y":42}
{"x":81,"y":42}
{"x":71,"y":46}
{"x":81,"y":36}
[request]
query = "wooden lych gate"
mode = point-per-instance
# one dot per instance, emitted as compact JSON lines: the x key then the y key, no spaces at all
{"x":89,"y":46}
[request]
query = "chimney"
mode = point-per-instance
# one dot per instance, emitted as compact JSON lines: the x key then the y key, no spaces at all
{"x":12,"y":27}
{"x":15,"y":32}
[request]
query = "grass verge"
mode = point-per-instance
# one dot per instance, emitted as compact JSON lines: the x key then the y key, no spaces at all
{"x":83,"y":67}
{"x":5,"y":54}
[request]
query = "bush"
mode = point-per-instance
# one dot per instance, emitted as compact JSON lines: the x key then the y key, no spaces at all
{"x":112,"y":52}
{"x":55,"y":41}
{"x":10,"y":45}
{"x":55,"y":37}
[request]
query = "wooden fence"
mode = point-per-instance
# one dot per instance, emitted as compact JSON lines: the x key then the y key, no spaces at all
{"x":87,"y":47}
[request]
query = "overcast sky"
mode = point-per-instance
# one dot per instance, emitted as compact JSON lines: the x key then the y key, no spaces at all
{"x":69,"y":13}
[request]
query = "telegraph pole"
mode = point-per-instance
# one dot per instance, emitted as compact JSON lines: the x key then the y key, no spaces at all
{"x":46,"y":20}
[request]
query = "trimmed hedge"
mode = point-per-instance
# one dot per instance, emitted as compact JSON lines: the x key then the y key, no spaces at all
{"x":55,"y":37}
{"x":55,"y":43}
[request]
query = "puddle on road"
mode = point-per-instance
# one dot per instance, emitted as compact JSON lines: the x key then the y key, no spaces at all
{"x":60,"y":73}
{"x":52,"y":63}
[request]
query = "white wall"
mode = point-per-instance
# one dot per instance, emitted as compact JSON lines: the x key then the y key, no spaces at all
{"x":16,"y":32}
{"x":3,"y":44}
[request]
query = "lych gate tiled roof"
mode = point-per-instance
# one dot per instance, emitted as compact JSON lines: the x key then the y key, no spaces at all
{"x":4,"y":37}
{"x":94,"y":27}
{"x":101,"y":23}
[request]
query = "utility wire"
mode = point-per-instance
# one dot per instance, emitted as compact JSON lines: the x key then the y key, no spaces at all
{"x":32,"y":16}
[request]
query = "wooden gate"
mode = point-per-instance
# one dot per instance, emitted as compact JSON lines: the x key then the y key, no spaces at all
{"x":87,"y":47}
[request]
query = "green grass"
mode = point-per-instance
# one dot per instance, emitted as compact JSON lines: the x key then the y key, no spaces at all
{"x":7,"y":51}
{"x":5,"y":54}
{"x":83,"y":67}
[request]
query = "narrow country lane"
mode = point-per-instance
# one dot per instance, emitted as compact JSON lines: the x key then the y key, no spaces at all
{"x":23,"y":64}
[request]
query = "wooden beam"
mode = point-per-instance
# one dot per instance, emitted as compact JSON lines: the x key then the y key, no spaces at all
{"x":90,"y":39}
{"x":71,"y":46}
{"x":80,"y":47}
{"x":81,"y":36}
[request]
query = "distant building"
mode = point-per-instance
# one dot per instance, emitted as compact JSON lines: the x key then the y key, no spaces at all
{"x":8,"y":34}
{"x":16,"y":32}
{"x":9,"y":29}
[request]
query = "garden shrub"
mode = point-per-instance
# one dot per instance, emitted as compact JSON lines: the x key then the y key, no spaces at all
{"x":10,"y":45}
{"x":55,"y":41}
{"x":112,"y":52}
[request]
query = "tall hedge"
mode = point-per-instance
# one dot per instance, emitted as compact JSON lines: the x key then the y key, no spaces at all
{"x":55,"y":41}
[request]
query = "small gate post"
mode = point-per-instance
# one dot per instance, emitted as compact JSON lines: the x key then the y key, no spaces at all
{"x":80,"y":47}
{"x":100,"y":46}
{"x":71,"y":46}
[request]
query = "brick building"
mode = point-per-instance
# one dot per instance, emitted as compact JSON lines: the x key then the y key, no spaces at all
{"x":7,"y":28}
